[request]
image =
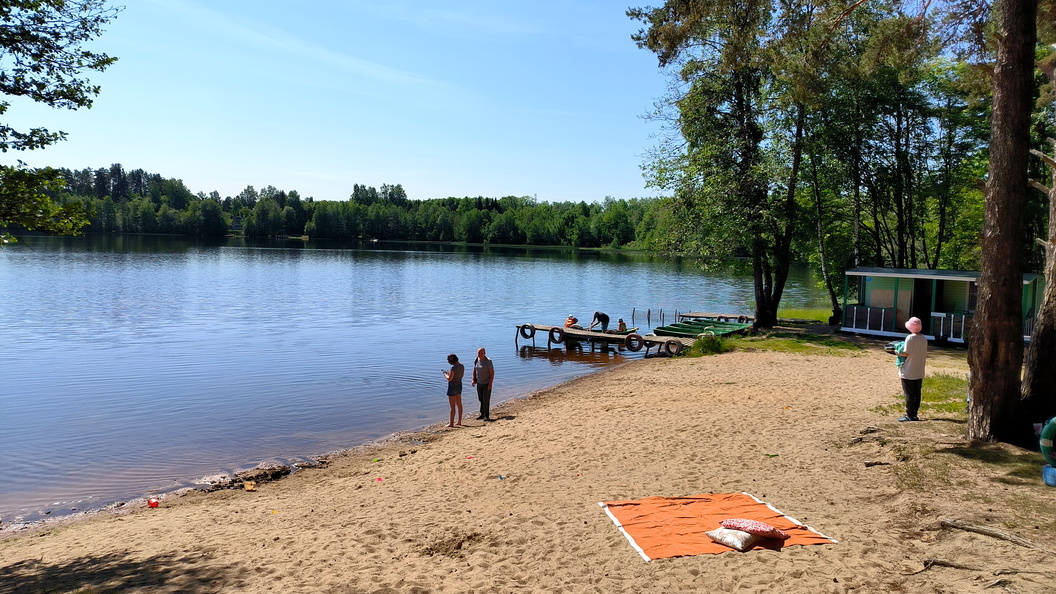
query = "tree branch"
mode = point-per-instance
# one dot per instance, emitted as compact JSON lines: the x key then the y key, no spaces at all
{"x":987,"y":531}
{"x":1047,"y":159}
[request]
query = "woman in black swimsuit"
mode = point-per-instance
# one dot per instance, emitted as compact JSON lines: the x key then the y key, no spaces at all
{"x":454,"y":388}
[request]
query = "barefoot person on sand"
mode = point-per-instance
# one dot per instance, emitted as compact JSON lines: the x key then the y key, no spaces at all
{"x":483,"y":378}
{"x":914,"y":353}
{"x":454,"y":388}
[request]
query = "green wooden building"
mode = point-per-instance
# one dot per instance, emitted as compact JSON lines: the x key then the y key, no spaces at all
{"x":878,"y":301}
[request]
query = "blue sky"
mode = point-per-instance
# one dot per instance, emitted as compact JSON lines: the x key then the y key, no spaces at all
{"x":448,"y":98}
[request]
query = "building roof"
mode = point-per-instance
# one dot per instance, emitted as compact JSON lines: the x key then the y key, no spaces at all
{"x":965,"y":275}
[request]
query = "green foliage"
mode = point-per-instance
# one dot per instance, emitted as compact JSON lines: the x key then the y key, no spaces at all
{"x":140,"y":202}
{"x":25,"y":203}
{"x":42,"y":44}
{"x":44,"y":60}
{"x":709,"y":345}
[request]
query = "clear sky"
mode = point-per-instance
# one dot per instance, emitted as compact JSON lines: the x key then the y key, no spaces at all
{"x":449,"y":98}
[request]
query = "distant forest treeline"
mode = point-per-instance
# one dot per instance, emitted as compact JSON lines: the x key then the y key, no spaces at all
{"x":136,"y":201}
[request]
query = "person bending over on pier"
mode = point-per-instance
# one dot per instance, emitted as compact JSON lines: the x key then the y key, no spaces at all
{"x":600,"y":318}
{"x":454,"y":388}
{"x":483,"y":379}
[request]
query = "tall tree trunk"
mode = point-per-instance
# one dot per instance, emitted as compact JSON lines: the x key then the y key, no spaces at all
{"x":899,"y":190}
{"x":1039,"y":374}
{"x":995,"y":351}
{"x":837,"y":311}
{"x":772,"y":266}
{"x":856,"y":175}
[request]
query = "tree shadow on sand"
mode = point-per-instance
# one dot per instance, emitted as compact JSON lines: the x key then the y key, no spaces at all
{"x":93,"y":574}
{"x":1013,"y":466}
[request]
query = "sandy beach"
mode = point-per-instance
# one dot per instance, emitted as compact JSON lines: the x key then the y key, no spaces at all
{"x":512,"y":506}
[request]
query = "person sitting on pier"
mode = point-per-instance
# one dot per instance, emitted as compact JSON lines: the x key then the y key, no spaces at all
{"x":622,"y":326}
{"x":571,"y":321}
{"x":600,"y":318}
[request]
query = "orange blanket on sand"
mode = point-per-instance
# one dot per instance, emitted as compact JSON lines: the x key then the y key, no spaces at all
{"x":660,"y":527}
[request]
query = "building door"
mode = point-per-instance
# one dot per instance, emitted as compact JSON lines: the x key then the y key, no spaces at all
{"x":922,"y":294}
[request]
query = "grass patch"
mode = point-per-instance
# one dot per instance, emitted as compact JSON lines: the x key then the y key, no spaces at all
{"x":804,"y":344}
{"x":1031,"y":512}
{"x":813,"y":314}
{"x":709,"y":345}
{"x":941,"y":394}
{"x":920,"y":469}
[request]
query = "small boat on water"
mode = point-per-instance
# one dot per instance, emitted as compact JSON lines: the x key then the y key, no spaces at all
{"x":621,"y":332}
{"x":693,"y":329}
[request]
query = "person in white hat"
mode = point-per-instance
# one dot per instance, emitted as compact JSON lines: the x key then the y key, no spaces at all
{"x":911,"y":371}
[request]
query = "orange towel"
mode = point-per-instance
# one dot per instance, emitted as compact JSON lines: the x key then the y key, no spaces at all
{"x":660,"y":527}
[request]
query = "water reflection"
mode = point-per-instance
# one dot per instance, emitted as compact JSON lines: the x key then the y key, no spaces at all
{"x":595,"y":355}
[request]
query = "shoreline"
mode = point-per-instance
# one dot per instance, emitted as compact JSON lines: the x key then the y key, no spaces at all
{"x":513,"y":505}
{"x":264,"y":473}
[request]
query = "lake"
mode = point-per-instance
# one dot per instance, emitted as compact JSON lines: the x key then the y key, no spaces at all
{"x":138,"y":365}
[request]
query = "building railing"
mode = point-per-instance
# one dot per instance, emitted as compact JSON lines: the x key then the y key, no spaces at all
{"x":865,"y":317}
{"x":951,"y":326}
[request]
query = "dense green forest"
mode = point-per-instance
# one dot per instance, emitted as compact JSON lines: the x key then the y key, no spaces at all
{"x":119,"y":201}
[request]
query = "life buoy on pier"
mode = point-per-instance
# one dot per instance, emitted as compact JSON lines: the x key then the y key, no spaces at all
{"x":673,"y":347}
{"x":634,"y":342}
{"x":742,"y":319}
{"x":557,"y":335}
{"x":1048,"y":435}
{"x":527,"y":331}
{"x":722,"y":318}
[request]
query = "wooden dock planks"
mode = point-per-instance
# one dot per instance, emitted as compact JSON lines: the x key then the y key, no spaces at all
{"x":575,"y":334}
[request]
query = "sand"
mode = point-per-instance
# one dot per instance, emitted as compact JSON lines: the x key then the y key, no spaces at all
{"x":814,"y":435}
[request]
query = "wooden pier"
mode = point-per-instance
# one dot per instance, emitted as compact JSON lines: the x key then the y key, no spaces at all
{"x":634,"y":342}
{"x":718,"y":317}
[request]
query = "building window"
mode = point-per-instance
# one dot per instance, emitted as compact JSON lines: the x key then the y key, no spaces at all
{"x":973,"y":296}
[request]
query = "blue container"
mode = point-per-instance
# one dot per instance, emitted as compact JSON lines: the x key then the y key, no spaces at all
{"x":1048,"y":474}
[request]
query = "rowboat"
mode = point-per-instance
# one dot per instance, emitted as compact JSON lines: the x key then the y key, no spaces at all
{"x":695,"y":329}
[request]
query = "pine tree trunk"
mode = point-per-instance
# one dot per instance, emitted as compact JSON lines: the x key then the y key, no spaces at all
{"x":995,"y":353}
{"x":1039,"y":374}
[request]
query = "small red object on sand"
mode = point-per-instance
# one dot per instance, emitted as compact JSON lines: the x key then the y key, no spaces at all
{"x":152,"y":502}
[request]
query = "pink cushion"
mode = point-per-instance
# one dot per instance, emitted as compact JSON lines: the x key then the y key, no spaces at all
{"x":755,"y":527}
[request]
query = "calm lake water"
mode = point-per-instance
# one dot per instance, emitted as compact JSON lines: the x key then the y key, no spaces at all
{"x":131,"y":365}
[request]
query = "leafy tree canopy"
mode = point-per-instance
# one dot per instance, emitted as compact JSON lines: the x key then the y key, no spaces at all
{"x":43,"y":58}
{"x":23,"y":201}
